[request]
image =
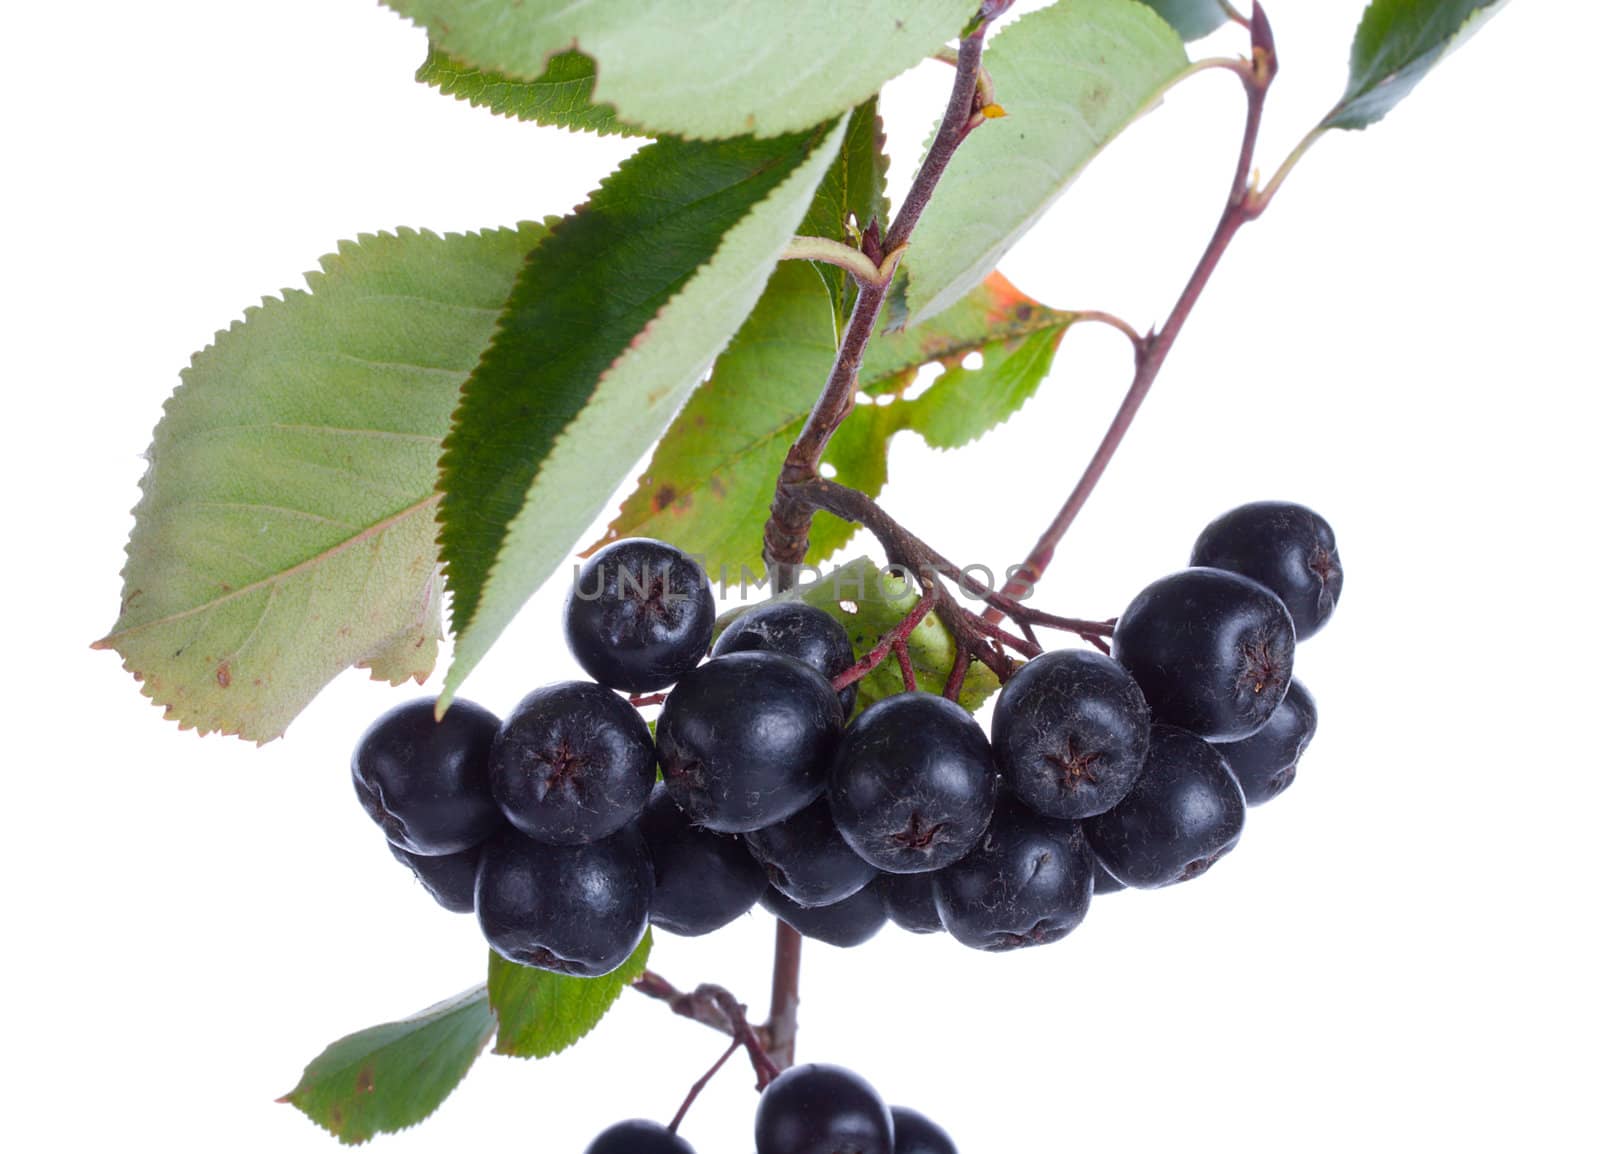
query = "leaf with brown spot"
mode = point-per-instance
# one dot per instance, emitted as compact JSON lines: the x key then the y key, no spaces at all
{"x":393,"y":1076}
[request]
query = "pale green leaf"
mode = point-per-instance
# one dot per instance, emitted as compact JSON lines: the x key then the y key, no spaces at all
{"x":393,"y":1076}
{"x":286,"y":529}
{"x":1070,"y":78}
{"x":1397,"y":44}
{"x":541,"y":1013}
{"x":704,"y":68}
{"x":560,"y":95}
{"x":612,"y":323}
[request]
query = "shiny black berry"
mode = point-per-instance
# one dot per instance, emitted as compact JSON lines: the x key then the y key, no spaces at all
{"x":1104,"y":882}
{"x":1285,"y":547}
{"x":572,"y":763}
{"x":1027,"y":883}
{"x":639,"y":615}
{"x":448,"y":878}
{"x":744,"y":740}
{"x":844,"y":924}
{"x":578,"y":909}
{"x":807,"y":860}
{"x":913,"y":783}
{"x":1265,"y":762}
{"x":818,"y":1109}
{"x":908,"y":900}
{"x":915,"y":1133}
{"x":1212,"y":651}
{"x":704,"y":880}
{"x":1070,"y":733}
{"x":801,"y":631}
{"x":638,"y":1137}
{"x":1185,"y":812}
{"x":426,"y":783}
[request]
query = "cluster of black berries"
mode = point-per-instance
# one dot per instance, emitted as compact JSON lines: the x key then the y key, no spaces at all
{"x":805,"y":1110}
{"x":1132,"y":769}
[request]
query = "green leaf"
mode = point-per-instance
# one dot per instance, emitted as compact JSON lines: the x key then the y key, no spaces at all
{"x":1397,"y":44}
{"x":1192,"y":19}
{"x":704,"y":68}
{"x":869,"y":602}
{"x":709,"y":484}
{"x":561,"y":95}
{"x":850,"y":197}
{"x":612,"y":321}
{"x":384,"y":1079}
{"x":1070,"y":78}
{"x":541,"y":1013}
{"x":286,"y":528}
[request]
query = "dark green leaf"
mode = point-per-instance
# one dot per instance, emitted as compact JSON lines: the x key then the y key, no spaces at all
{"x":541,"y":1013}
{"x":850,"y":197}
{"x":393,"y":1076}
{"x":709,"y":484}
{"x":704,"y":68}
{"x":1397,"y":44}
{"x":1191,"y":18}
{"x":869,"y":602}
{"x":614,"y":318}
{"x":560,"y":95}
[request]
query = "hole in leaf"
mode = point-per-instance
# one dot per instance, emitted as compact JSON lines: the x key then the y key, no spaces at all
{"x":828,"y":471}
{"x":926,"y":375}
{"x":849,"y":607}
{"x":972,"y":362}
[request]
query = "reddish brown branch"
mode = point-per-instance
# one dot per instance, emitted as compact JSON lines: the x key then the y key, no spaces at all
{"x":788,"y":529}
{"x":704,"y":1081}
{"x":783,"y":1015}
{"x":1151,"y":352}
{"x":893,"y":640}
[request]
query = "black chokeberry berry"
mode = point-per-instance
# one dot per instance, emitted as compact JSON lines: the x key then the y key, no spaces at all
{"x":639,"y":615}
{"x":449,"y":878}
{"x":818,"y":1109}
{"x":1104,"y":882}
{"x":704,"y":880}
{"x":844,"y":924}
{"x":800,"y":630}
{"x":638,"y":1137}
{"x":908,"y":900}
{"x":1027,"y":883}
{"x":1265,"y":762}
{"x":1212,"y":651}
{"x":426,"y":782}
{"x":744,"y":740}
{"x":1185,"y":812}
{"x":913,"y":783}
{"x":807,"y":860}
{"x":915,"y":1133}
{"x":578,"y":909}
{"x":1070,"y":733}
{"x":572,"y":763}
{"x":1285,"y":547}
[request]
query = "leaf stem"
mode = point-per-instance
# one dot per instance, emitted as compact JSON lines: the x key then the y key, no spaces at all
{"x":1151,"y":352}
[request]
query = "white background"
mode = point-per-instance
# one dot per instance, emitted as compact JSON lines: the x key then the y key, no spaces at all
{"x":1399,"y":956}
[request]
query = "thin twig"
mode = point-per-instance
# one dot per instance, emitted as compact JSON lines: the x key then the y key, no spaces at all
{"x":1242,"y":207}
{"x":892,"y":640}
{"x":705,"y":1080}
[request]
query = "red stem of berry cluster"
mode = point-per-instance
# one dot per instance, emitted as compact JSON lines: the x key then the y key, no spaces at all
{"x":1150,"y":352}
{"x":801,"y":492}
